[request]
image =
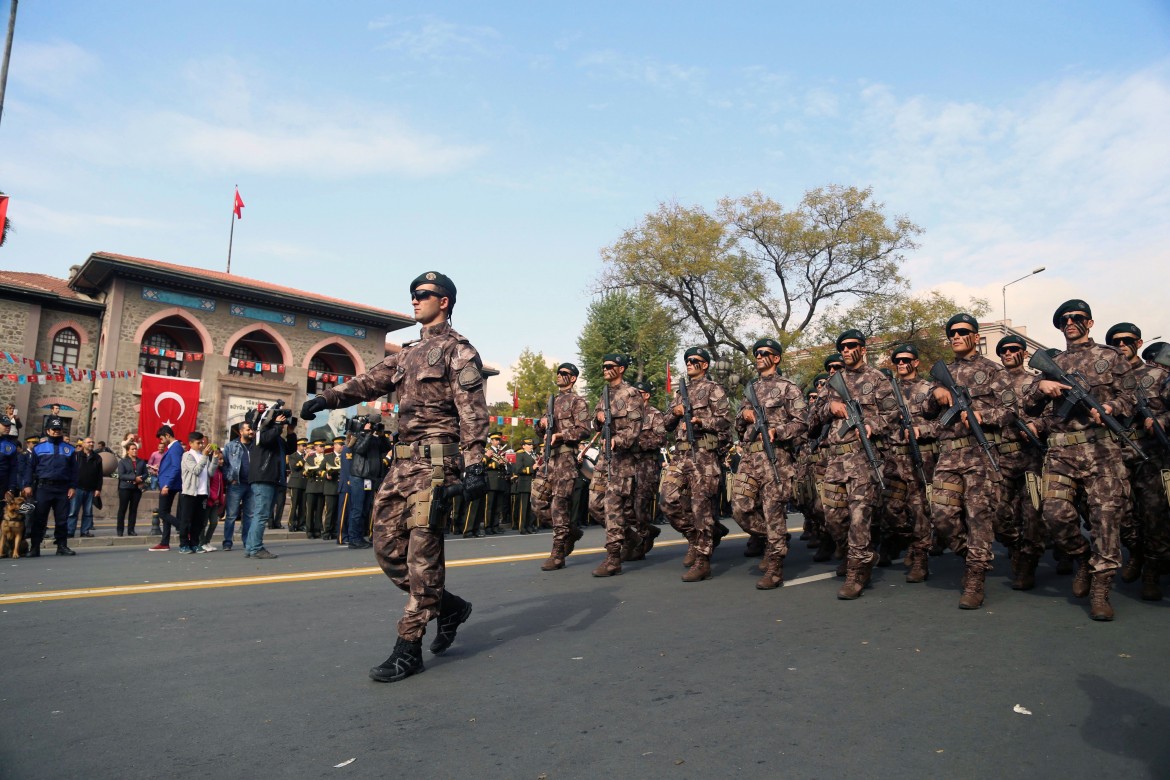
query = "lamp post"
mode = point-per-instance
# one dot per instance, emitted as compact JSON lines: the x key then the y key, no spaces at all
{"x":1009,"y":284}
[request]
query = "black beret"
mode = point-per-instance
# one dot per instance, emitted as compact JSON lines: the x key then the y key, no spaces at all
{"x":907,"y":348}
{"x":616,"y":357}
{"x":962,"y":319}
{"x":644,"y":387}
{"x":1076,"y":304}
{"x":819,"y":377}
{"x":771,"y":344}
{"x":1010,"y":338}
{"x":569,"y":367}
{"x":697,"y":352}
{"x":833,"y":357}
{"x":1152,"y":351}
{"x":853,"y":334}
{"x":810,"y":393}
{"x":1122,"y":327}
{"x":438,"y":280}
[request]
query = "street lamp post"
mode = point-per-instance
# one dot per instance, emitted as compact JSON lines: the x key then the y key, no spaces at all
{"x":1009,"y":284}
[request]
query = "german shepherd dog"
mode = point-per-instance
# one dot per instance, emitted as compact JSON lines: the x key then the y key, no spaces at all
{"x":12,"y":529}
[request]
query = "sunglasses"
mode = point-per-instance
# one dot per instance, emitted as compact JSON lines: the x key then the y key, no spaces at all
{"x":836,"y":367}
{"x":569,"y":373}
{"x":1124,"y":341}
{"x":609,"y":366}
{"x":1011,"y":350}
{"x":851,"y":345}
{"x":422,"y":295}
{"x":904,"y":360}
{"x":765,"y":353}
{"x":1079,"y":319}
{"x":960,"y":332}
{"x":696,"y":362}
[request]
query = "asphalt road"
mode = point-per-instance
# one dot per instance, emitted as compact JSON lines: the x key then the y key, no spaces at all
{"x":560,"y":675}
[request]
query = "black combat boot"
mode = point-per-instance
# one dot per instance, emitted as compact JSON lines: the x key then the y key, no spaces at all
{"x":453,"y":612}
{"x":403,"y":662}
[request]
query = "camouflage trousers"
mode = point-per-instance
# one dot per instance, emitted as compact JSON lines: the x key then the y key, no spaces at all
{"x":851,"y":499}
{"x":551,"y":495}
{"x":1146,"y":530}
{"x":647,"y":471}
{"x":759,"y":503}
{"x":689,"y":492}
{"x":1096,"y":470}
{"x":905,"y":510}
{"x":611,"y":500}
{"x":411,"y":557}
{"x":965,"y":496}
{"x":1018,"y":523}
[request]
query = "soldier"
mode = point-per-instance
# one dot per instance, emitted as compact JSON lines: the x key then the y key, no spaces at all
{"x":522,"y":518}
{"x":819,"y":456}
{"x":296,"y":486}
{"x":691,"y":485}
{"x":1019,"y":527}
{"x":1146,"y":531}
{"x":51,"y":478}
{"x":851,"y":492}
{"x":907,"y":507}
{"x":618,"y":415}
{"x":441,"y":430}
{"x":570,"y":423}
{"x":331,"y":468}
{"x":967,"y":483}
{"x":496,"y":501}
{"x":763,"y":487}
{"x":314,"y":489}
{"x":647,"y":474}
{"x":1082,"y":456}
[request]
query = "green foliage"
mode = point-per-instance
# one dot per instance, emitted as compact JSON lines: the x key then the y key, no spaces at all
{"x":534,"y":378}
{"x":632,"y":322}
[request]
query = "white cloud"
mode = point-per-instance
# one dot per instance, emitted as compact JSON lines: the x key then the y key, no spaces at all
{"x":431,"y":38}
{"x":37,"y":217}
{"x":641,"y":70}
{"x":53,"y":69}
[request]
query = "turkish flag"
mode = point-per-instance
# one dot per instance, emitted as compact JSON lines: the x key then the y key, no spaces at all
{"x":668,"y":388}
{"x":166,"y":400}
{"x":516,"y":400}
{"x":3,"y":211}
{"x":238,"y":206}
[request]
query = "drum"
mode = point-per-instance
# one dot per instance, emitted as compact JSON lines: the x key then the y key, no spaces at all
{"x":589,"y":462}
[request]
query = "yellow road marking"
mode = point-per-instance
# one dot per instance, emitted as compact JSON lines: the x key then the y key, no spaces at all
{"x":271,"y":579}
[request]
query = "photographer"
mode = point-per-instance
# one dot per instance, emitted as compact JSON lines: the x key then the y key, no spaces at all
{"x":10,"y":424}
{"x":267,"y":473}
{"x":366,"y":446}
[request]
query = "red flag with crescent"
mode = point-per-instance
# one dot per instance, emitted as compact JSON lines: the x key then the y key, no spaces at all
{"x":166,"y":400}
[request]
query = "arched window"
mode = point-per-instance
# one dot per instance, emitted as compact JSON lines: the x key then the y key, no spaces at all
{"x":66,"y":347}
{"x":243,"y":353}
{"x":319,"y":385}
{"x":160,"y":364}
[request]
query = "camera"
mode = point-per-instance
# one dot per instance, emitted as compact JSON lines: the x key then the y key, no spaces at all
{"x":356,"y":425}
{"x":6,"y":420}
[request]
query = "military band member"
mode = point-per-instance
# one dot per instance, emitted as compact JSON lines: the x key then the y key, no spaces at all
{"x":442,"y":426}
{"x":331,"y":470}
{"x":296,"y":486}
{"x":495,"y":506}
{"x":612,"y":492}
{"x":758,"y":492}
{"x":1083,"y":457}
{"x":647,"y":475}
{"x":690,"y":488}
{"x":1146,"y":530}
{"x":522,"y":471}
{"x":851,"y":492}
{"x":555,"y":483}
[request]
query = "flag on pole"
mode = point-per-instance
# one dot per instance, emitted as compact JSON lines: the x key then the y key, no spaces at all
{"x":238,"y":207}
{"x":515,"y":399}
{"x":167,"y":401}
{"x":3,"y":212}
{"x":668,"y":390}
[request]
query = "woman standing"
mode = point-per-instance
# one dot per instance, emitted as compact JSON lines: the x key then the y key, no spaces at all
{"x":131,"y":481}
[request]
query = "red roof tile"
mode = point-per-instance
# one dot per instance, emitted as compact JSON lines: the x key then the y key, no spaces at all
{"x":42,"y":283}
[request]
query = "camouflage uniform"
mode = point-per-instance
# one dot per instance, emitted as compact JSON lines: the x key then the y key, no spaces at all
{"x":442,"y":426}
{"x":906,"y":515}
{"x":966,"y":488}
{"x":691,"y":484}
{"x":1083,"y":457}
{"x":1146,"y":532}
{"x":756,"y":490}
{"x":647,"y":471}
{"x":1018,"y":524}
{"x":850,"y":493}
{"x":611,"y":497}
{"x":553,"y":486}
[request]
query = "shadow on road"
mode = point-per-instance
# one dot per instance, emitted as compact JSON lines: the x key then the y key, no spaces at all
{"x":510,"y":620}
{"x":1126,"y":723}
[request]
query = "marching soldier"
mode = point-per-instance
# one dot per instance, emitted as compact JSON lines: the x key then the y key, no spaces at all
{"x":559,"y":473}
{"x":296,"y":486}
{"x":762,"y":488}
{"x":691,"y":486}
{"x":1082,"y":456}
{"x":851,"y":492}
{"x":612,"y":491}
{"x":647,"y":473}
{"x":1146,"y":531}
{"x":314,"y":471}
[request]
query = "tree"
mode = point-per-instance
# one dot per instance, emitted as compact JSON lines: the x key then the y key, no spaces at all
{"x":632,"y":322}
{"x":532,"y":379}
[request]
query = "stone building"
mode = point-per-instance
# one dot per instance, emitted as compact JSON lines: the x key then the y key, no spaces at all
{"x":245,"y":340}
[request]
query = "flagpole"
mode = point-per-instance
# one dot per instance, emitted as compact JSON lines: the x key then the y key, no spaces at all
{"x":232,"y":233}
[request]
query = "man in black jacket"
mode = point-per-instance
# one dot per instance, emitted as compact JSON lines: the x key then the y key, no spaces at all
{"x":266,"y":474}
{"x":89,"y":488}
{"x":366,"y":449}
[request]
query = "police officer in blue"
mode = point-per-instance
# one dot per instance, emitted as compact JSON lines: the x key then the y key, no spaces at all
{"x":53,"y":476}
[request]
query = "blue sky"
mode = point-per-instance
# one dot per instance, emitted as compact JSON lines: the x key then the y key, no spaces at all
{"x":505,"y":144}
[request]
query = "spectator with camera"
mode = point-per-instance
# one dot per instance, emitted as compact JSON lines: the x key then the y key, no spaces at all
{"x":367,"y":446}
{"x":266,"y":473}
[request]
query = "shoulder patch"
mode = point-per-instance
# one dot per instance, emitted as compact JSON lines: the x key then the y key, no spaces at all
{"x":433,"y":355}
{"x":866,"y":388}
{"x":1128,"y":382}
{"x":1008,"y":397}
{"x":799,"y":403}
{"x":888,"y":403}
{"x":1101,"y":366}
{"x":980,"y":377}
{"x":469,"y":377}
{"x":1147,"y":381}
{"x":918,"y":397}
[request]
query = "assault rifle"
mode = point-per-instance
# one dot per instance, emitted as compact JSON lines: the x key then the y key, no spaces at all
{"x":1078,"y":394}
{"x":607,"y":431}
{"x":1144,"y":411}
{"x":548,"y":433}
{"x":854,"y":419}
{"x":761,"y":427}
{"x":688,"y":414}
{"x":961,"y":402}
{"x":1023,"y":428}
{"x":907,"y":421}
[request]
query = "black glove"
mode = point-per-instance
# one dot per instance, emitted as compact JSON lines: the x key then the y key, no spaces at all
{"x":475,"y":484}
{"x":310,"y":408}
